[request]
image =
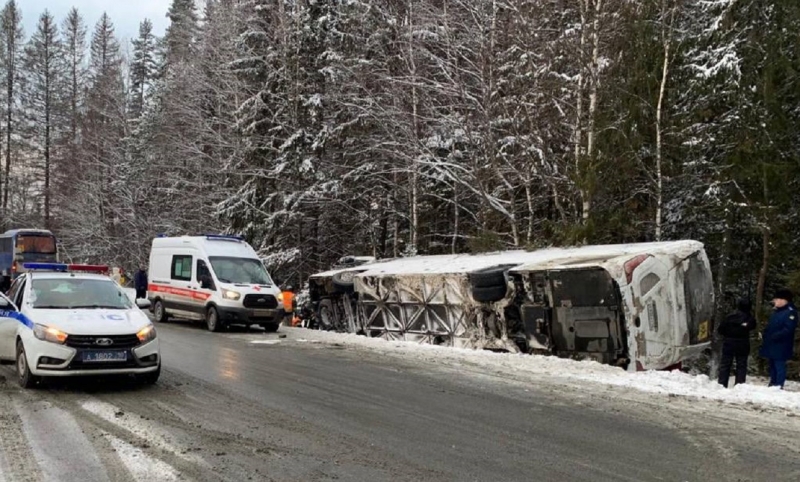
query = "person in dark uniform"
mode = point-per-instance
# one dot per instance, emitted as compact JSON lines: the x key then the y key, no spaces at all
{"x":140,"y":283}
{"x":778,"y":336}
{"x":736,"y":330}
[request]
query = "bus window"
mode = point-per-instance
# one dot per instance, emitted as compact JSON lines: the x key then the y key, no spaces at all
{"x":36,"y":244}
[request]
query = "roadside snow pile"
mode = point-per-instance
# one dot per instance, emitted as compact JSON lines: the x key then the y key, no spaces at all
{"x":668,"y":383}
{"x":679,"y":383}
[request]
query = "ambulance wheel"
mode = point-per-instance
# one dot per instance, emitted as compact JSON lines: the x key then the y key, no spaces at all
{"x":212,"y":319}
{"x":159,"y":313}
{"x":25,"y":377}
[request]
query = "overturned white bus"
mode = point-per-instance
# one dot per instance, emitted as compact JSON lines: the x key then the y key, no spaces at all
{"x":638,"y":306}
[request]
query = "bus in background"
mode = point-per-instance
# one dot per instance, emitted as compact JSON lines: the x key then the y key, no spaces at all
{"x":20,"y":246}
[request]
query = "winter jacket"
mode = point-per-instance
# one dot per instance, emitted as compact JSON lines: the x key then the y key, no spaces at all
{"x":736,"y":330}
{"x":779,"y":334}
{"x":140,"y":279}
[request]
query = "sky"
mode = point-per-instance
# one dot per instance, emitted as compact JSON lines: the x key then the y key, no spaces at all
{"x":125,"y":14}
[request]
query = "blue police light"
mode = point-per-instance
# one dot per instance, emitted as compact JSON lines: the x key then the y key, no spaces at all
{"x":224,"y":237}
{"x":45,"y":266}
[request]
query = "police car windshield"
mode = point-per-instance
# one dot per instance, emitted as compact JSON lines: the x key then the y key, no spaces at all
{"x":73,"y":293}
{"x":240,"y":270}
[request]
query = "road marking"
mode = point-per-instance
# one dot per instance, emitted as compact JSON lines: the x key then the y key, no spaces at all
{"x":58,"y":444}
{"x":139,"y":427}
{"x":16,"y":462}
{"x":141,"y":466}
{"x":265,"y":342}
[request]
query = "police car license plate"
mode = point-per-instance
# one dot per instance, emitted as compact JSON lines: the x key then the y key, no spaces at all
{"x":105,"y":356}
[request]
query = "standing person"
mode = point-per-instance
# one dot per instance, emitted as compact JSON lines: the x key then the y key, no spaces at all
{"x":778,"y":336}
{"x":736,"y":346}
{"x":288,"y":304}
{"x":140,"y":283}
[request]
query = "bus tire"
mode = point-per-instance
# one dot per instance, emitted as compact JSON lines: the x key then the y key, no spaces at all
{"x":490,"y":294}
{"x":489,"y":277}
{"x":343,"y":282}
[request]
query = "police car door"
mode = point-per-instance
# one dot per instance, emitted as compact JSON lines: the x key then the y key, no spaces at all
{"x":9,"y":320}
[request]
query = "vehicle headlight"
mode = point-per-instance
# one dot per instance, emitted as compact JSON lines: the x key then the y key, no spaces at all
{"x":231,"y":295}
{"x":280,"y":297}
{"x":146,"y":334}
{"x":48,"y":333}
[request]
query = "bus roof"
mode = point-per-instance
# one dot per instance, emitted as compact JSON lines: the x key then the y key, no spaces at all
{"x":14,"y":232}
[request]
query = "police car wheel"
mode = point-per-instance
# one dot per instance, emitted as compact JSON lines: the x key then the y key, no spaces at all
{"x":212,"y":319}
{"x":150,"y":378}
{"x":25,"y":377}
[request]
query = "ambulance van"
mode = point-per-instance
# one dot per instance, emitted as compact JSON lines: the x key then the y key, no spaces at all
{"x":216,"y":279}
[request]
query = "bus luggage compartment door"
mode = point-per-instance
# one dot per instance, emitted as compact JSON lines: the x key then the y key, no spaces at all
{"x":587,"y":320}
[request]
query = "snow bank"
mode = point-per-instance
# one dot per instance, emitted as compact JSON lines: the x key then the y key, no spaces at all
{"x":535,"y":366}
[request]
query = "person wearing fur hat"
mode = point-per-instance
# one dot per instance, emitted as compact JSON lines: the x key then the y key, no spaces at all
{"x":736,"y":330}
{"x":778,"y":336}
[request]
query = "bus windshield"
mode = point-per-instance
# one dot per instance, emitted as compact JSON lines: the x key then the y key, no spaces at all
{"x":240,"y":270}
{"x":36,"y":244}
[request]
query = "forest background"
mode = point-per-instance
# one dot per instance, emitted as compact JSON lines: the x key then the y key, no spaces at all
{"x":322,"y":128}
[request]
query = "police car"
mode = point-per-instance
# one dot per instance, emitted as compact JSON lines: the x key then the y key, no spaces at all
{"x":67,"y":320}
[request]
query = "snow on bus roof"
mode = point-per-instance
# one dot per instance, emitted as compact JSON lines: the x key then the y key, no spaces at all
{"x":553,"y":258}
{"x":465,"y":263}
{"x":12,"y":232}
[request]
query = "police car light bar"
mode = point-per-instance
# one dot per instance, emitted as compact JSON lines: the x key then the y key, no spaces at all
{"x":225,"y":237}
{"x":89,"y":268}
{"x":45,"y":266}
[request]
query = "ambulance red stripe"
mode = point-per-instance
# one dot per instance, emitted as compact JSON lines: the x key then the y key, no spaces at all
{"x":171,"y":290}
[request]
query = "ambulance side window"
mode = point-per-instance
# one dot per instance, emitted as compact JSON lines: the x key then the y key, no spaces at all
{"x":204,"y":276}
{"x":182,"y":268}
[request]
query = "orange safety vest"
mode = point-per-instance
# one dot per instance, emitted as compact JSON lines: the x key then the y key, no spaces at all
{"x":288,"y":301}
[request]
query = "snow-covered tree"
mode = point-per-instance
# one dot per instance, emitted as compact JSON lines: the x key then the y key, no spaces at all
{"x":143,"y":67}
{"x":10,"y":63}
{"x":44,"y":68}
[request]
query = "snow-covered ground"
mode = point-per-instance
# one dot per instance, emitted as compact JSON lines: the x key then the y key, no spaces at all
{"x":521,"y":366}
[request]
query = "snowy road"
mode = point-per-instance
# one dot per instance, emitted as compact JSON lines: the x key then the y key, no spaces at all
{"x":250,"y":406}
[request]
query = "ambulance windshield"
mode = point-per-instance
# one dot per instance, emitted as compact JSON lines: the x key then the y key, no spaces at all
{"x":240,"y":271}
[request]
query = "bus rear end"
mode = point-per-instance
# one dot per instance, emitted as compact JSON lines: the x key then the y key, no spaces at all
{"x":25,"y":246}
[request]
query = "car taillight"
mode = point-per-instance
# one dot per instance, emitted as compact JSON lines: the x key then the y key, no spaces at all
{"x":633,"y":263}
{"x":14,"y":267}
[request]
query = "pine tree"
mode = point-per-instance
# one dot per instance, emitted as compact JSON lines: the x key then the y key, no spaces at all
{"x":45,"y":70}
{"x":75,"y":83}
{"x":181,"y":34}
{"x":95,"y":217}
{"x":13,"y":38}
{"x":143,"y":67}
